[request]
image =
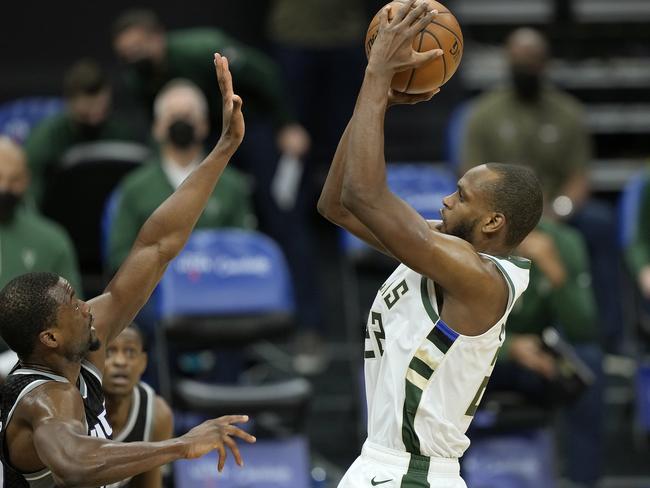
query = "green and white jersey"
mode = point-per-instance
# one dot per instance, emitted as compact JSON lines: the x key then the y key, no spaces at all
{"x":424,"y":381}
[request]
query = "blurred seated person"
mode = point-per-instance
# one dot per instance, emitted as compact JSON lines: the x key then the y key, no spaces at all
{"x":88,"y":118}
{"x":533,"y":123}
{"x":638,"y":253}
{"x":559,"y":295}
{"x":180,"y":127}
{"x":153,"y":56}
{"x":28,"y":241}
{"x":134,"y":411}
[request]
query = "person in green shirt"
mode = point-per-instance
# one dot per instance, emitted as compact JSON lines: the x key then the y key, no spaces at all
{"x":559,"y":295}
{"x":87,"y":118}
{"x":180,"y":127}
{"x":531,"y":122}
{"x":28,"y":241}
{"x":273,"y":153}
{"x":637,"y":253}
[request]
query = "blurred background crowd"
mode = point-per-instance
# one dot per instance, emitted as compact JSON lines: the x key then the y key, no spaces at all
{"x":105,"y":109}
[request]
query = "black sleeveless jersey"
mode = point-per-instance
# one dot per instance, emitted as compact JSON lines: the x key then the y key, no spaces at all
{"x":22,"y":381}
{"x":139,"y":424}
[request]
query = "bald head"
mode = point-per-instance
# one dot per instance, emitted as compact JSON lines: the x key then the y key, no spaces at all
{"x":13,"y":167}
{"x":180,"y":100}
{"x":528,"y":48}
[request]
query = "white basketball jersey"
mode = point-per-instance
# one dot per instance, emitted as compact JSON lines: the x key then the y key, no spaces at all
{"x":424,"y":381}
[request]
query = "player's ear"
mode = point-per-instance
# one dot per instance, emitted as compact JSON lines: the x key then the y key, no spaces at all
{"x":49,"y":338}
{"x":495,"y":222}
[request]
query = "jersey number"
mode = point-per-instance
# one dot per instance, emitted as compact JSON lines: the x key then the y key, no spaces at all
{"x":395,"y":294}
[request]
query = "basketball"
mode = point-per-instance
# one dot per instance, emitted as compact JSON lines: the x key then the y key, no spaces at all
{"x":442,"y":33}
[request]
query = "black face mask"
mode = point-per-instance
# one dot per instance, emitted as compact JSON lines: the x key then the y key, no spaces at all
{"x":527,"y":84}
{"x":145,"y":67}
{"x":89,"y":131}
{"x":181,"y":134}
{"x":8,"y":203}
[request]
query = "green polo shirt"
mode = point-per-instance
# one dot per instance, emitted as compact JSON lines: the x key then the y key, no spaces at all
{"x":33,"y":243}
{"x":638,"y":253}
{"x":571,"y":307}
{"x":190,"y":54}
{"x":50,"y":139}
{"x":143,"y":190}
{"x":549,"y":136}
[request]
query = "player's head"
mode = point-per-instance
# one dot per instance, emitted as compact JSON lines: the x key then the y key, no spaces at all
{"x":180,"y":115}
{"x":14,"y":178}
{"x":495,"y":205}
{"x":527,"y":52}
{"x":126,"y":360}
{"x":41,"y":316}
{"x":139,"y":39}
{"x":87,"y":93}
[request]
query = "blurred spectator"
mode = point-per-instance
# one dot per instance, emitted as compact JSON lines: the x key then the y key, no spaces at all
{"x":180,"y":127}
{"x":153,"y":56}
{"x":319,"y":46}
{"x":133,"y":409}
{"x":638,"y":253}
{"x":559,"y":295}
{"x":28,"y":241}
{"x":87,"y":118}
{"x":530,"y":122}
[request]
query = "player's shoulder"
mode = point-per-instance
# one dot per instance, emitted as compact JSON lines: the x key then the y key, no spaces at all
{"x":50,"y":399}
{"x":163,"y":419}
{"x":49,"y":127}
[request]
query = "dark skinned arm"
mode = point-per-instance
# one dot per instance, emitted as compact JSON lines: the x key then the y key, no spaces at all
{"x":163,"y":428}
{"x":329,"y":203}
{"x":166,"y":231}
{"x":55,"y":412}
{"x":470,"y":283}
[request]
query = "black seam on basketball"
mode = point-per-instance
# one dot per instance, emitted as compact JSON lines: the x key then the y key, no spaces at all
{"x":413,"y":70}
{"x":444,"y":63}
{"x":448,"y":29}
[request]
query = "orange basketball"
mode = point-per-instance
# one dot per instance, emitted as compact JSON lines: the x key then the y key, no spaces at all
{"x":442,"y":33}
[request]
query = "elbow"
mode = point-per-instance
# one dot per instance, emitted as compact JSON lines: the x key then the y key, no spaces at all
{"x":70,"y":475}
{"x":355,"y":197}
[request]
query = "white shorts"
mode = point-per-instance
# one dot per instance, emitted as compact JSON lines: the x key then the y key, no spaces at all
{"x":386,"y":468}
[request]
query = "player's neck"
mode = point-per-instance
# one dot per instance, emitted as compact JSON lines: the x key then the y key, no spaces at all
{"x":58,"y":366}
{"x":118,"y":408}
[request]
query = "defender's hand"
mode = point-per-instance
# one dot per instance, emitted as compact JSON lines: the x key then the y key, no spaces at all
{"x":217,"y":434}
{"x":399,"y":98}
{"x":232,"y":128}
{"x":392,"y":50}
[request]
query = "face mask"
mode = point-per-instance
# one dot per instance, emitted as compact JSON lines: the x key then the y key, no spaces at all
{"x":145,"y":67}
{"x":181,"y":134}
{"x":8,"y":203}
{"x":527,"y":84}
{"x":89,"y":131}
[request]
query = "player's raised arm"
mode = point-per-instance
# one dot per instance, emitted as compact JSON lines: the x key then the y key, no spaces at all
{"x":329,"y":203}
{"x":166,"y":231}
{"x":448,"y":260}
{"x":75,"y":459}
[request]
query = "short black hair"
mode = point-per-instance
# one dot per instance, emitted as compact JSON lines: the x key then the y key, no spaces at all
{"x":136,"y":17}
{"x":136,"y":328}
{"x":26,"y":309}
{"x":85,"y":77}
{"x":517,"y":194}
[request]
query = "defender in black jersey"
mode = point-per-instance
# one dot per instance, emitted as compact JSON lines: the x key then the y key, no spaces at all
{"x":53,"y":428}
{"x":135,"y":412}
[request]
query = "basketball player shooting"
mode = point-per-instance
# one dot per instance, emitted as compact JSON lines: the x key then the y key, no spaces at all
{"x":53,"y":428}
{"x":437,"y":323}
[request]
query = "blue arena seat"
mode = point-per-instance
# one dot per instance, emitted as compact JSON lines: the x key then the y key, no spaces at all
{"x":18,"y":117}
{"x":422,"y":185}
{"x":230,"y":288}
